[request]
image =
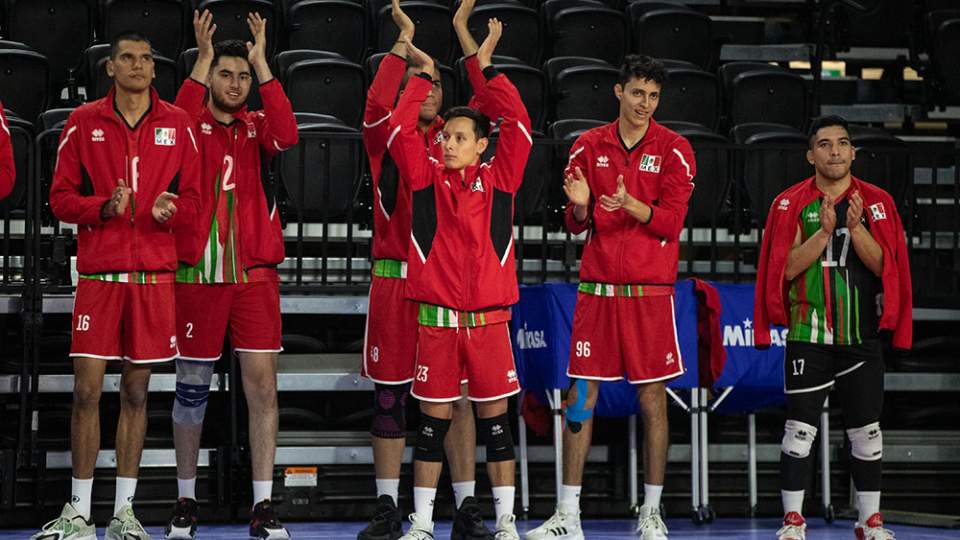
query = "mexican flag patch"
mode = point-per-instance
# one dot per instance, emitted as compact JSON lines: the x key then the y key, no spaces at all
{"x":650,"y":163}
{"x":165,"y":136}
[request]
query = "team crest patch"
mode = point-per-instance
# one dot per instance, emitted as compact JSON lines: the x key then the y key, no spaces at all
{"x":251,"y":130}
{"x":165,"y":136}
{"x":650,"y":163}
{"x":477,"y":185}
{"x":438,"y":138}
{"x":878,"y":211}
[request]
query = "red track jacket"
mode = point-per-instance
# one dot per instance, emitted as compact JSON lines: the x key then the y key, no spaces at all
{"x":8,"y":173}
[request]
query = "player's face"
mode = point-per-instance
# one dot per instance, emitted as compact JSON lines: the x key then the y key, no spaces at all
{"x":638,"y":100}
{"x":132,"y":69}
{"x":461,"y":147}
{"x":430,"y":107}
{"x":831,"y":152}
{"x":230,"y":82}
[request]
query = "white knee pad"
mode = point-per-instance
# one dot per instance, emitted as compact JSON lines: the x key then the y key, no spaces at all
{"x":866,"y":443}
{"x":798,"y":438}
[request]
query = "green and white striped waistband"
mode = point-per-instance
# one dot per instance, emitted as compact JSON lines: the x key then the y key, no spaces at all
{"x":390,"y":268}
{"x":442,"y":317}
{"x":141,"y":278}
{"x":609,"y":289}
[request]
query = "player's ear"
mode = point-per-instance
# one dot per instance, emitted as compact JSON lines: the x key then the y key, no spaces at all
{"x":618,"y":91}
{"x":810,"y":156}
{"x":482,"y":144}
{"x":109,"y":66}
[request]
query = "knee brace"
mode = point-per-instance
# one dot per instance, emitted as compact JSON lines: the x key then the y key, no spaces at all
{"x":390,"y":411}
{"x":193,"y":389}
{"x":577,"y":412}
{"x":496,"y":436}
{"x":430,"y":439}
{"x":798,"y":438}
{"x":866,"y":443}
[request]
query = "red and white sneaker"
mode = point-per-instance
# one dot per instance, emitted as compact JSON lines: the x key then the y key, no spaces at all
{"x":794,"y":527}
{"x":873,"y":529}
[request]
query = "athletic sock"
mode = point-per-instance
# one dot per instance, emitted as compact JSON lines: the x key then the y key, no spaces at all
{"x":389,"y":486}
{"x":792,"y":501}
{"x":126,"y":489}
{"x":462,"y":490}
{"x":80,"y":493}
{"x":503,"y":497}
{"x":423,"y":502}
{"x":262,"y":491}
{"x":868,"y":504}
{"x":651,"y":496}
{"x":570,"y":497}
{"x":187,"y":489}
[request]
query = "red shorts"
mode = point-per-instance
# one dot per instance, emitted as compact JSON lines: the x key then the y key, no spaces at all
{"x":390,"y":338}
{"x":252,"y":311}
{"x":447,"y":356}
{"x":124,"y":321}
{"x":632,"y":336}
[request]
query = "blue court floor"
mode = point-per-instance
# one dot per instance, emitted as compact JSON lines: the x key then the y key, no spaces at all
{"x":680,"y":529}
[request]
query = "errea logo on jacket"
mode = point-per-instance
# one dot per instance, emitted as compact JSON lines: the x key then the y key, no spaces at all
{"x":97,"y":135}
{"x":165,"y":136}
{"x":206,"y":128}
{"x":603,"y":161}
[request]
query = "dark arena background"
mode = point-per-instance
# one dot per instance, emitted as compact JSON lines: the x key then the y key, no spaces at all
{"x":744,"y":79}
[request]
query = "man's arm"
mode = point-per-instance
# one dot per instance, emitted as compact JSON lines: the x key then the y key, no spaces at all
{"x":66,"y":202}
{"x":577,"y":188}
{"x":193,"y":91}
{"x":803,"y":255}
{"x":866,"y":247}
{"x":382,"y":93}
{"x":8,"y":172}
{"x":405,"y":142}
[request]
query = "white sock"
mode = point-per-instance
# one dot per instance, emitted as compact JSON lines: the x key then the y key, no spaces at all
{"x":389,"y":486}
{"x":462,"y":490}
{"x":503,"y":497}
{"x":262,"y":490}
{"x":792,"y":501}
{"x":187,"y":489}
{"x":868,"y":503}
{"x":570,"y":496}
{"x":423,"y":502}
{"x":126,"y":489}
{"x":651,"y":496}
{"x":80,"y":492}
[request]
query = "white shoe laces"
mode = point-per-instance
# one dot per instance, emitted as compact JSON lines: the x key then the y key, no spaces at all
{"x":653,"y":522}
{"x":792,"y":531}
{"x":507,"y":528}
{"x":877,"y":533}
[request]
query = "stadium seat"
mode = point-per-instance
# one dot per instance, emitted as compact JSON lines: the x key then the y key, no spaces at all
{"x":165,"y":22}
{"x":434,"y":29}
{"x":758,"y":92}
{"x":521,"y":30}
{"x":8,"y":44}
{"x":585,"y":28}
{"x":283,"y":60}
{"x":709,"y":205}
{"x":330,"y":170}
{"x":776,"y":161}
{"x":582,"y":91}
{"x":20,"y":70}
{"x":529,"y":81}
{"x":54,"y":118}
{"x":21,"y":137}
{"x":326,"y":86}
{"x":98,"y":83}
{"x":883,"y":24}
{"x":532,"y":194}
{"x":230,"y":16}
{"x":689,"y":95}
{"x":451,"y":83}
{"x":944,"y":58}
{"x":60,"y":31}
{"x":881,"y":159}
{"x":330,"y":25}
{"x":665,"y":30}
{"x":571,"y":128}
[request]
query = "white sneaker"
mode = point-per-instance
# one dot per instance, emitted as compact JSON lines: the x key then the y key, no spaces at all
{"x":507,"y":528}
{"x":69,"y":526}
{"x":125,"y":526}
{"x":873,"y":529}
{"x":420,"y":529}
{"x":794,"y":527}
{"x":649,"y":525}
{"x":564,"y":524}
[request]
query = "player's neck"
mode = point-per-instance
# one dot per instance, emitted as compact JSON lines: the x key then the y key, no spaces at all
{"x":834,"y":188}
{"x":219,"y":114}
{"x":631,"y":134}
{"x":132,"y":105}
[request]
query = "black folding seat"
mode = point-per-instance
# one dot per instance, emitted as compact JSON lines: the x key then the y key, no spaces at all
{"x":283,"y":60}
{"x":434,"y":31}
{"x":24,"y":82}
{"x":521,"y":38}
{"x":674,"y":31}
{"x":98,"y":83}
{"x":571,"y":128}
{"x":60,"y":30}
{"x":709,"y":203}
{"x":582,"y":89}
{"x":8,"y":44}
{"x":882,"y":24}
{"x":585,"y":28}
{"x":775,"y":161}
{"x":21,"y":138}
{"x":532,"y":194}
{"x":329,"y":25}
{"x":689,"y":95}
{"x":530,"y":83}
{"x":230,"y":16}
{"x":328,"y":86}
{"x":165,"y":22}
{"x":881,"y":159}
{"x":946,"y":70}
{"x":758,"y":92}
{"x":53,"y":118}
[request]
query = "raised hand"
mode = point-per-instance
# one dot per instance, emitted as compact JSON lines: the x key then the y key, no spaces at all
{"x":485,"y":52}
{"x":617,"y":200}
{"x":119,"y":200}
{"x":576,"y":187}
{"x":828,"y":215}
{"x":855,"y":211}
{"x":403,"y":22}
{"x":257,"y":51}
{"x":203,"y":29}
{"x":164,"y":208}
{"x":462,"y":15}
{"x":420,"y":58}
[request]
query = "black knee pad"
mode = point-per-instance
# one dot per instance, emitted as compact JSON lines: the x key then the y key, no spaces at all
{"x":430,"y":439}
{"x":390,"y":411}
{"x":496,"y":436}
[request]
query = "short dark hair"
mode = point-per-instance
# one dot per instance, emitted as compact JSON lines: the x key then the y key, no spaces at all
{"x":642,"y":67}
{"x":126,"y":36}
{"x":481,"y":123}
{"x":823,"y":122}
{"x":229,"y":47}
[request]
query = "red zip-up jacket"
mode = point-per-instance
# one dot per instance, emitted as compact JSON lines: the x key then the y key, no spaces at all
{"x":8,"y":173}
{"x":461,"y":254}
{"x":391,"y":205}
{"x":658,"y":171}
{"x":160,"y":154}
{"x":272,"y":130}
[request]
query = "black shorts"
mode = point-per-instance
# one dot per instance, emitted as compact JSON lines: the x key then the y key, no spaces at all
{"x":809,"y":367}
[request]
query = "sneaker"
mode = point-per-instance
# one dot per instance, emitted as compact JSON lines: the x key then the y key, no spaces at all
{"x":183,"y":523}
{"x":650,"y":525}
{"x":264,"y":524}
{"x":794,"y":527}
{"x":873,"y":529}
{"x":563,"y":525}
{"x":125,"y":526}
{"x":69,"y":526}
{"x":507,"y":528}
{"x":420,"y":529}
{"x":386,"y":523}
{"x":468,"y":522}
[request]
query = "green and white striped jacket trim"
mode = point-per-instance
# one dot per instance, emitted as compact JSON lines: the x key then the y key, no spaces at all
{"x":390,"y":268}
{"x":142,"y":278}
{"x":442,"y":317}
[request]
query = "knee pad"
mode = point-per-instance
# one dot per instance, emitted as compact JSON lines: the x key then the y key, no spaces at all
{"x":798,"y":438}
{"x":496,"y":436}
{"x":193,"y":389}
{"x":390,"y":411}
{"x":430,"y":439}
{"x":577,"y":412}
{"x":866,"y":443}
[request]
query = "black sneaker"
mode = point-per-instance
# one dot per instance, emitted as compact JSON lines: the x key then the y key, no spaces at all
{"x":468,"y":523}
{"x":386,"y":523}
{"x":183,"y":523}
{"x":264,"y":524}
